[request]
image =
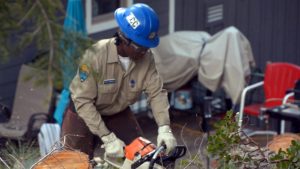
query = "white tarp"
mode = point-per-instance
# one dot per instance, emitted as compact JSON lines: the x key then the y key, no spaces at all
{"x":224,"y":61}
{"x":177,"y":57}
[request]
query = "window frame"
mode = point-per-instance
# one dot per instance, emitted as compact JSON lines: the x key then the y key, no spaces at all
{"x":103,"y":22}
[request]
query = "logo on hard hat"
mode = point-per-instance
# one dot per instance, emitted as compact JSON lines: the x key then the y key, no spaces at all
{"x":152,"y":35}
{"x":132,"y":20}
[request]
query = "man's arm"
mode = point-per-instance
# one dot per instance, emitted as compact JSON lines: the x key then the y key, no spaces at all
{"x":157,"y":96}
{"x":84,"y":92}
{"x":160,"y":106}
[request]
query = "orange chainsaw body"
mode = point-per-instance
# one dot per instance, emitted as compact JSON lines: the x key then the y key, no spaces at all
{"x":139,"y":147}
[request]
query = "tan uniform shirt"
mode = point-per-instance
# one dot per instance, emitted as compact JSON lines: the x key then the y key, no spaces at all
{"x":102,"y":87}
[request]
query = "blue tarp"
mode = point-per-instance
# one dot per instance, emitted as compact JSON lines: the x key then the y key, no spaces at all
{"x":73,"y":24}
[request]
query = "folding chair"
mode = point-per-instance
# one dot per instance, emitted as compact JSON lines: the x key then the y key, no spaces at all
{"x":278,"y":78}
{"x":31,"y":106}
{"x":292,"y":97}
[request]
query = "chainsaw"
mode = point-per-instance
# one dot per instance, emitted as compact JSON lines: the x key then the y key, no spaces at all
{"x":139,"y":154}
{"x":142,"y":154}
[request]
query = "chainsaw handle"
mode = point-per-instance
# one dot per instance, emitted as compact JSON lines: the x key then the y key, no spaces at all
{"x":160,"y":149}
{"x":152,"y":156}
{"x":178,"y":152}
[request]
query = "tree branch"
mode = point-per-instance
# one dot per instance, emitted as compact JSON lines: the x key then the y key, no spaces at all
{"x":27,"y":14}
{"x":51,"y":39}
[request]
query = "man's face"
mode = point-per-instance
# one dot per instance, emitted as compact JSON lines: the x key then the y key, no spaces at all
{"x":133,"y":50}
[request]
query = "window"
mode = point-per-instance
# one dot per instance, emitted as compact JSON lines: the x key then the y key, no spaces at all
{"x":100,"y":14}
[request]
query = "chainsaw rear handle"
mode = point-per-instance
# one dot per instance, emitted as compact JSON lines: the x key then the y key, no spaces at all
{"x":178,"y":152}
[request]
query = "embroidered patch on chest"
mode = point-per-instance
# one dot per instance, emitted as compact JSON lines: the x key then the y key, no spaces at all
{"x":132,"y":83}
{"x":109,"y":81}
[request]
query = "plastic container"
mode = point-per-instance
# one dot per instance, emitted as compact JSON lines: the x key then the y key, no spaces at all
{"x":183,"y":100}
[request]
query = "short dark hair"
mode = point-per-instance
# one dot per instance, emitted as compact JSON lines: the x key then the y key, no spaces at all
{"x":117,"y":39}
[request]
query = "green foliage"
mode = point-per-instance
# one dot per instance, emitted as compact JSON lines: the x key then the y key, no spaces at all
{"x":193,"y":162}
{"x":224,"y":140}
{"x":18,"y":154}
{"x":230,"y":151}
{"x":288,"y":159}
{"x":8,"y":25}
{"x":40,"y":23}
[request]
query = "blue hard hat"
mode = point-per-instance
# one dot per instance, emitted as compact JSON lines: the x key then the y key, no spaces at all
{"x":139,"y":23}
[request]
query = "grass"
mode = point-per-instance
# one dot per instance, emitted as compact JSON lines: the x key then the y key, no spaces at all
{"x":18,"y":154}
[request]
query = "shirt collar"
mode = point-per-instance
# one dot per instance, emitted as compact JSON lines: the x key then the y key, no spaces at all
{"x":112,"y":52}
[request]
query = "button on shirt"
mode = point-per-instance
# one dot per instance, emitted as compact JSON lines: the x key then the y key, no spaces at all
{"x":102,"y":87}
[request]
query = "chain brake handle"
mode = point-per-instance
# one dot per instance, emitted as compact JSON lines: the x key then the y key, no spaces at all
{"x":153,"y":157}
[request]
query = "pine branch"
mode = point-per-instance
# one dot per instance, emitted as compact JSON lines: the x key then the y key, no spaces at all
{"x":51,"y":39}
{"x":40,"y":23}
{"x":27,"y":14}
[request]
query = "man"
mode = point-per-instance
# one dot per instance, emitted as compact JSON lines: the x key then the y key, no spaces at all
{"x":113,"y":74}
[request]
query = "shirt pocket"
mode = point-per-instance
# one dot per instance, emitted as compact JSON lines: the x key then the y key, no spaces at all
{"x":107,"y":93}
{"x":133,"y":95}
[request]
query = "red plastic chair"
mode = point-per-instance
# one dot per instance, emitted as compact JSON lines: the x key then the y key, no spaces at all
{"x":278,"y":78}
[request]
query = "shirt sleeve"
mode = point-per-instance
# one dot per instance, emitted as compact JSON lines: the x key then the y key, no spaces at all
{"x":157,"y":96}
{"x":84,"y":91}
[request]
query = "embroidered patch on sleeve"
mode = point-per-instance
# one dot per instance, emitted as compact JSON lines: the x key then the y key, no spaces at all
{"x":83,"y":72}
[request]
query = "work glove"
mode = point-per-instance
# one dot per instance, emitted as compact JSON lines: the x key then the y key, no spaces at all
{"x":165,"y":136}
{"x":114,"y":147}
{"x":126,"y":164}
